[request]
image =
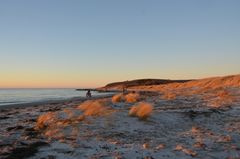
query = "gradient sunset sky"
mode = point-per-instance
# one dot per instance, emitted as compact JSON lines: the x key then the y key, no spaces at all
{"x":87,"y":43}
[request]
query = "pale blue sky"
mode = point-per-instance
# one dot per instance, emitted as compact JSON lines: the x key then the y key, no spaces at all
{"x":74,"y":43}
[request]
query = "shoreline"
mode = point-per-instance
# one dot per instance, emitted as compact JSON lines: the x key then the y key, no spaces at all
{"x":56,"y":101}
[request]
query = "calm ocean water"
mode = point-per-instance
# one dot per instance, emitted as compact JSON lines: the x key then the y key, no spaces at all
{"x":18,"y":96}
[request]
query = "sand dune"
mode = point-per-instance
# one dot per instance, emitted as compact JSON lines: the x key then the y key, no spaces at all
{"x":207,"y":83}
{"x":215,"y":91}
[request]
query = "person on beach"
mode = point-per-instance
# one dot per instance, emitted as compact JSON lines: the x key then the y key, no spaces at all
{"x":89,"y":94}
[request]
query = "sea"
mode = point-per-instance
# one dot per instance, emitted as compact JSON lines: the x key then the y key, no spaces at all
{"x":21,"y":96}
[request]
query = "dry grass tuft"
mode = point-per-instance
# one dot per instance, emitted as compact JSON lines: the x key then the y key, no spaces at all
{"x":85,"y":105}
{"x":94,"y":108}
{"x":142,"y":110}
{"x":132,"y":97}
{"x":133,"y":111}
{"x":45,"y":119}
{"x":118,"y":98}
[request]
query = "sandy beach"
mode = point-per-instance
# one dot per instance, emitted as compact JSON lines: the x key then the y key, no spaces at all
{"x":17,"y":133}
{"x":187,"y":122}
{"x":119,"y":79}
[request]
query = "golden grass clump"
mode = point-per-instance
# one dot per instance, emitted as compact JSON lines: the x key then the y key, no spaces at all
{"x":132,"y":97}
{"x":85,"y":105}
{"x":118,"y":98}
{"x":133,"y":111}
{"x":94,"y":108}
{"x":142,"y":110}
{"x":45,"y":119}
{"x":56,"y":124}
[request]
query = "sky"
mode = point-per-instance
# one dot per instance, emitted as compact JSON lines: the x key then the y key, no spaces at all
{"x":89,"y":43}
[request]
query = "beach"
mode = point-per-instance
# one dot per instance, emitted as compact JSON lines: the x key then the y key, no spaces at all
{"x":119,"y":79}
{"x":141,"y":124}
{"x":18,"y":121}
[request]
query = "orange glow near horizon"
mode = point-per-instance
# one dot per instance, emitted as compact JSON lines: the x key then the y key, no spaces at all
{"x":47,"y":84}
{"x":38,"y":81}
{"x":33,"y":80}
